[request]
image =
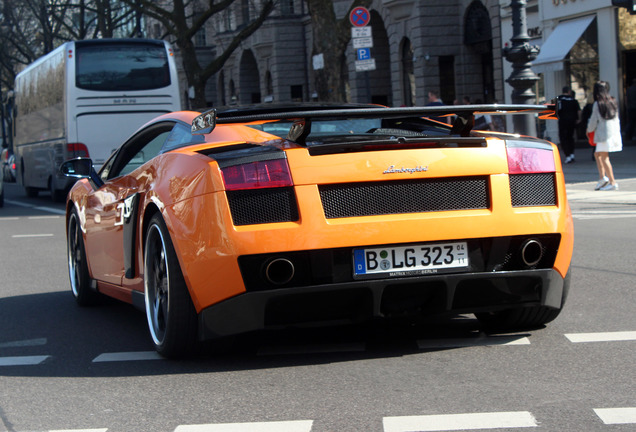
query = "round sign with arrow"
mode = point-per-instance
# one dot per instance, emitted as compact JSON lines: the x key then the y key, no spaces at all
{"x":360,"y":16}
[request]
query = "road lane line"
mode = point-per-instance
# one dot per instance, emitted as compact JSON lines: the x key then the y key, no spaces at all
{"x":24,"y":343}
{"x":127,"y":356}
{"x":80,"y":430}
{"x":312,"y":349}
{"x":43,"y":217}
{"x":452,"y":422}
{"x":22,"y":360}
{"x":602,"y":337}
{"x":274,"y":426}
{"x":616,"y":415}
{"x":468,"y":342}
{"x":31,"y":235}
{"x":35,"y":207}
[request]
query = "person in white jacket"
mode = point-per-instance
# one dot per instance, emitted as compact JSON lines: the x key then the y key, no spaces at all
{"x":606,"y":126}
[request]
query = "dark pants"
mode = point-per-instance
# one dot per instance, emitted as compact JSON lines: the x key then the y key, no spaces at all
{"x":631,"y":124}
{"x":566,"y":137}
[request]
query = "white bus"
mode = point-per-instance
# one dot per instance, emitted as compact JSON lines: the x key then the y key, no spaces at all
{"x":84,"y":99}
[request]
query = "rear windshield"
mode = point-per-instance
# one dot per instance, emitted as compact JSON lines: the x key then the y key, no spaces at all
{"x":121,"y":66}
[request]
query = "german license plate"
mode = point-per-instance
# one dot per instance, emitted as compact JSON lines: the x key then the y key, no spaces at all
{"x":410,"y":260}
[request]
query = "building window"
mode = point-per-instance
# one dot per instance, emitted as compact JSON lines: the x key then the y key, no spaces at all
{"x":296,"y":93}
{"x":287,"y":7}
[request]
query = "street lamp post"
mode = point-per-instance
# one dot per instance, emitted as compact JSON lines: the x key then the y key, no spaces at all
{"x":522,"y":78}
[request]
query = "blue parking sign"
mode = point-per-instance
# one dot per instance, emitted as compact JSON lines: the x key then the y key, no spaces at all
{"x":364,"y":53}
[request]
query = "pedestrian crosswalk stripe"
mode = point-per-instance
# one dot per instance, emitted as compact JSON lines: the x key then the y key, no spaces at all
{"x":22,"y":360}
{"x":468,"y":342}
{"x":80,"y":430}
{"x":617,"y":415}
{"x":274,"y":426}
{"x":453,"y":422}
{"x":127,"y":356}
{"x":602,"y":336}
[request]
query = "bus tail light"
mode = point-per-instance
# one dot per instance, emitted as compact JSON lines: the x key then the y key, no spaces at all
{"x":77,"y":150}
{"x":257,"y":175}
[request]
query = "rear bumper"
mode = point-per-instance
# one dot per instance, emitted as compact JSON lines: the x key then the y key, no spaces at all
{"x":359,"y":301}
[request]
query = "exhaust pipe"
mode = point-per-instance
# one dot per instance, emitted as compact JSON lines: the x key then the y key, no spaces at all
{"x":531,"y":252}
{"x":279,"y":271}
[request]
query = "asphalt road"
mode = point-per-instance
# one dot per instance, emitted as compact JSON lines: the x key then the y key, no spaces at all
{"x":63,"y":367}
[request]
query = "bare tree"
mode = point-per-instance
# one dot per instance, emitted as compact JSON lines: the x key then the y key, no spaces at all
{"x":330,"y":38}
{"x":180,"y":21}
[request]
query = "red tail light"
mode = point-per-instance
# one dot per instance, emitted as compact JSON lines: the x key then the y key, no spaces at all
{"x":530,"y":160}
{"x":257,"y":175}
{"x":77,"y":149}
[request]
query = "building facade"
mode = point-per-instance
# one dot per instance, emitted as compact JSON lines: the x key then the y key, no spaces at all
{"x":451,"y":47}
{"x":581,"y":42}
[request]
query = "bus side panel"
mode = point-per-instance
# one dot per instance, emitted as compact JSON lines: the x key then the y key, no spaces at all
{"x":40,"y":130}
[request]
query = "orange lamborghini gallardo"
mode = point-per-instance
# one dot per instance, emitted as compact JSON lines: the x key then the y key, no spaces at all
{"x":240,"y":220}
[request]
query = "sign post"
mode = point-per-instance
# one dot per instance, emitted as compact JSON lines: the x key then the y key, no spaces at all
{"x":362,"y":38}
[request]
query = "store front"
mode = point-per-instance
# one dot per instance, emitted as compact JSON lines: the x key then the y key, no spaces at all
{"x":580,"y":46}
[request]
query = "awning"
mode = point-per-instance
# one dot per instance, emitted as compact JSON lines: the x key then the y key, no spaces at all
{"x":559,"y":44}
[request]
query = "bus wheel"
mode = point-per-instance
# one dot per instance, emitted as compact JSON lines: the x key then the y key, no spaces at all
{"x":56,"y":194}
{"x":30,"y":192}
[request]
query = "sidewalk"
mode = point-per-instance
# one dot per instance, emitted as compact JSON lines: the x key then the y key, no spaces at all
{"x":581,"y":176}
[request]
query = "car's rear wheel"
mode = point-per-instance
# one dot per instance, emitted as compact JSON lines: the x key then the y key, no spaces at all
{"x":77,"y":265}
{"x":172,"y":319}
{"x":518,"y":318}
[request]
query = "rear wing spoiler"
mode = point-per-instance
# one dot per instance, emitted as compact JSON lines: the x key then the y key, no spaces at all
{"x":463,"y":116}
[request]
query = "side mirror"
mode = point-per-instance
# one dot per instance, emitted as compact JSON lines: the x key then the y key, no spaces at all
{"x":81,"y":168}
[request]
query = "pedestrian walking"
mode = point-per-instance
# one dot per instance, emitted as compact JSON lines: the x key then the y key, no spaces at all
{"x":606,"y":126}
{"x":569,"y":113}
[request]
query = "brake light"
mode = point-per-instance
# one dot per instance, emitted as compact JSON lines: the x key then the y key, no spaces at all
{"x":77,"y":149}
{"x":257,"y":175}
{"x":530,"y":160}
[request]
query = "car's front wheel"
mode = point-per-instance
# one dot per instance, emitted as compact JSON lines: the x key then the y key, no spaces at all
{"x":172,"y":319}
{"x":77,"y":264}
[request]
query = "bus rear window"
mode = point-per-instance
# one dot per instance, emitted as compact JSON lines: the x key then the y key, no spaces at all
{"x":119,"y":67}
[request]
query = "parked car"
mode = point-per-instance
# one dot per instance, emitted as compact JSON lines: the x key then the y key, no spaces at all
{"x":1,"y":191}
{"x":7,"y":162}
{"x":227,"y":222}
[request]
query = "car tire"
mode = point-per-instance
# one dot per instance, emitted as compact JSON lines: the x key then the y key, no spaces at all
{"x":172,"y":319}
{"x":518,"y":318}
{"x":77,"y":265}
{"x":1,"y":197}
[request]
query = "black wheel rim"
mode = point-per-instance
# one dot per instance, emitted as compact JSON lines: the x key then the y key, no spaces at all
{"x":156,"y":284}
{"x":74,"y":254}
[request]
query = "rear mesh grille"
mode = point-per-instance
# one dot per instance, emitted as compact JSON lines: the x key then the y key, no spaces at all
{"x":257,"y":206}
{"x":395,"y":197}
{"x":532,"y":189}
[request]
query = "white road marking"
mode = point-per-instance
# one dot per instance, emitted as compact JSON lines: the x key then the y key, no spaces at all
{"x":602,"y":336}
{"x":31,"y":235}
{"x":80,"y":430}
{"x":616,"y":415}
{"x":312,"y":349}
{"x":468,"y":342}
{"x":451,"y":422}
{"x":22,"y":360}
{"x":275,"y":426}
{"x":24,"y":343}
{"x":9,"y":218}
{"x":42,"y":208}
{"x":43,"y":217}
{"x":127,"y":356}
